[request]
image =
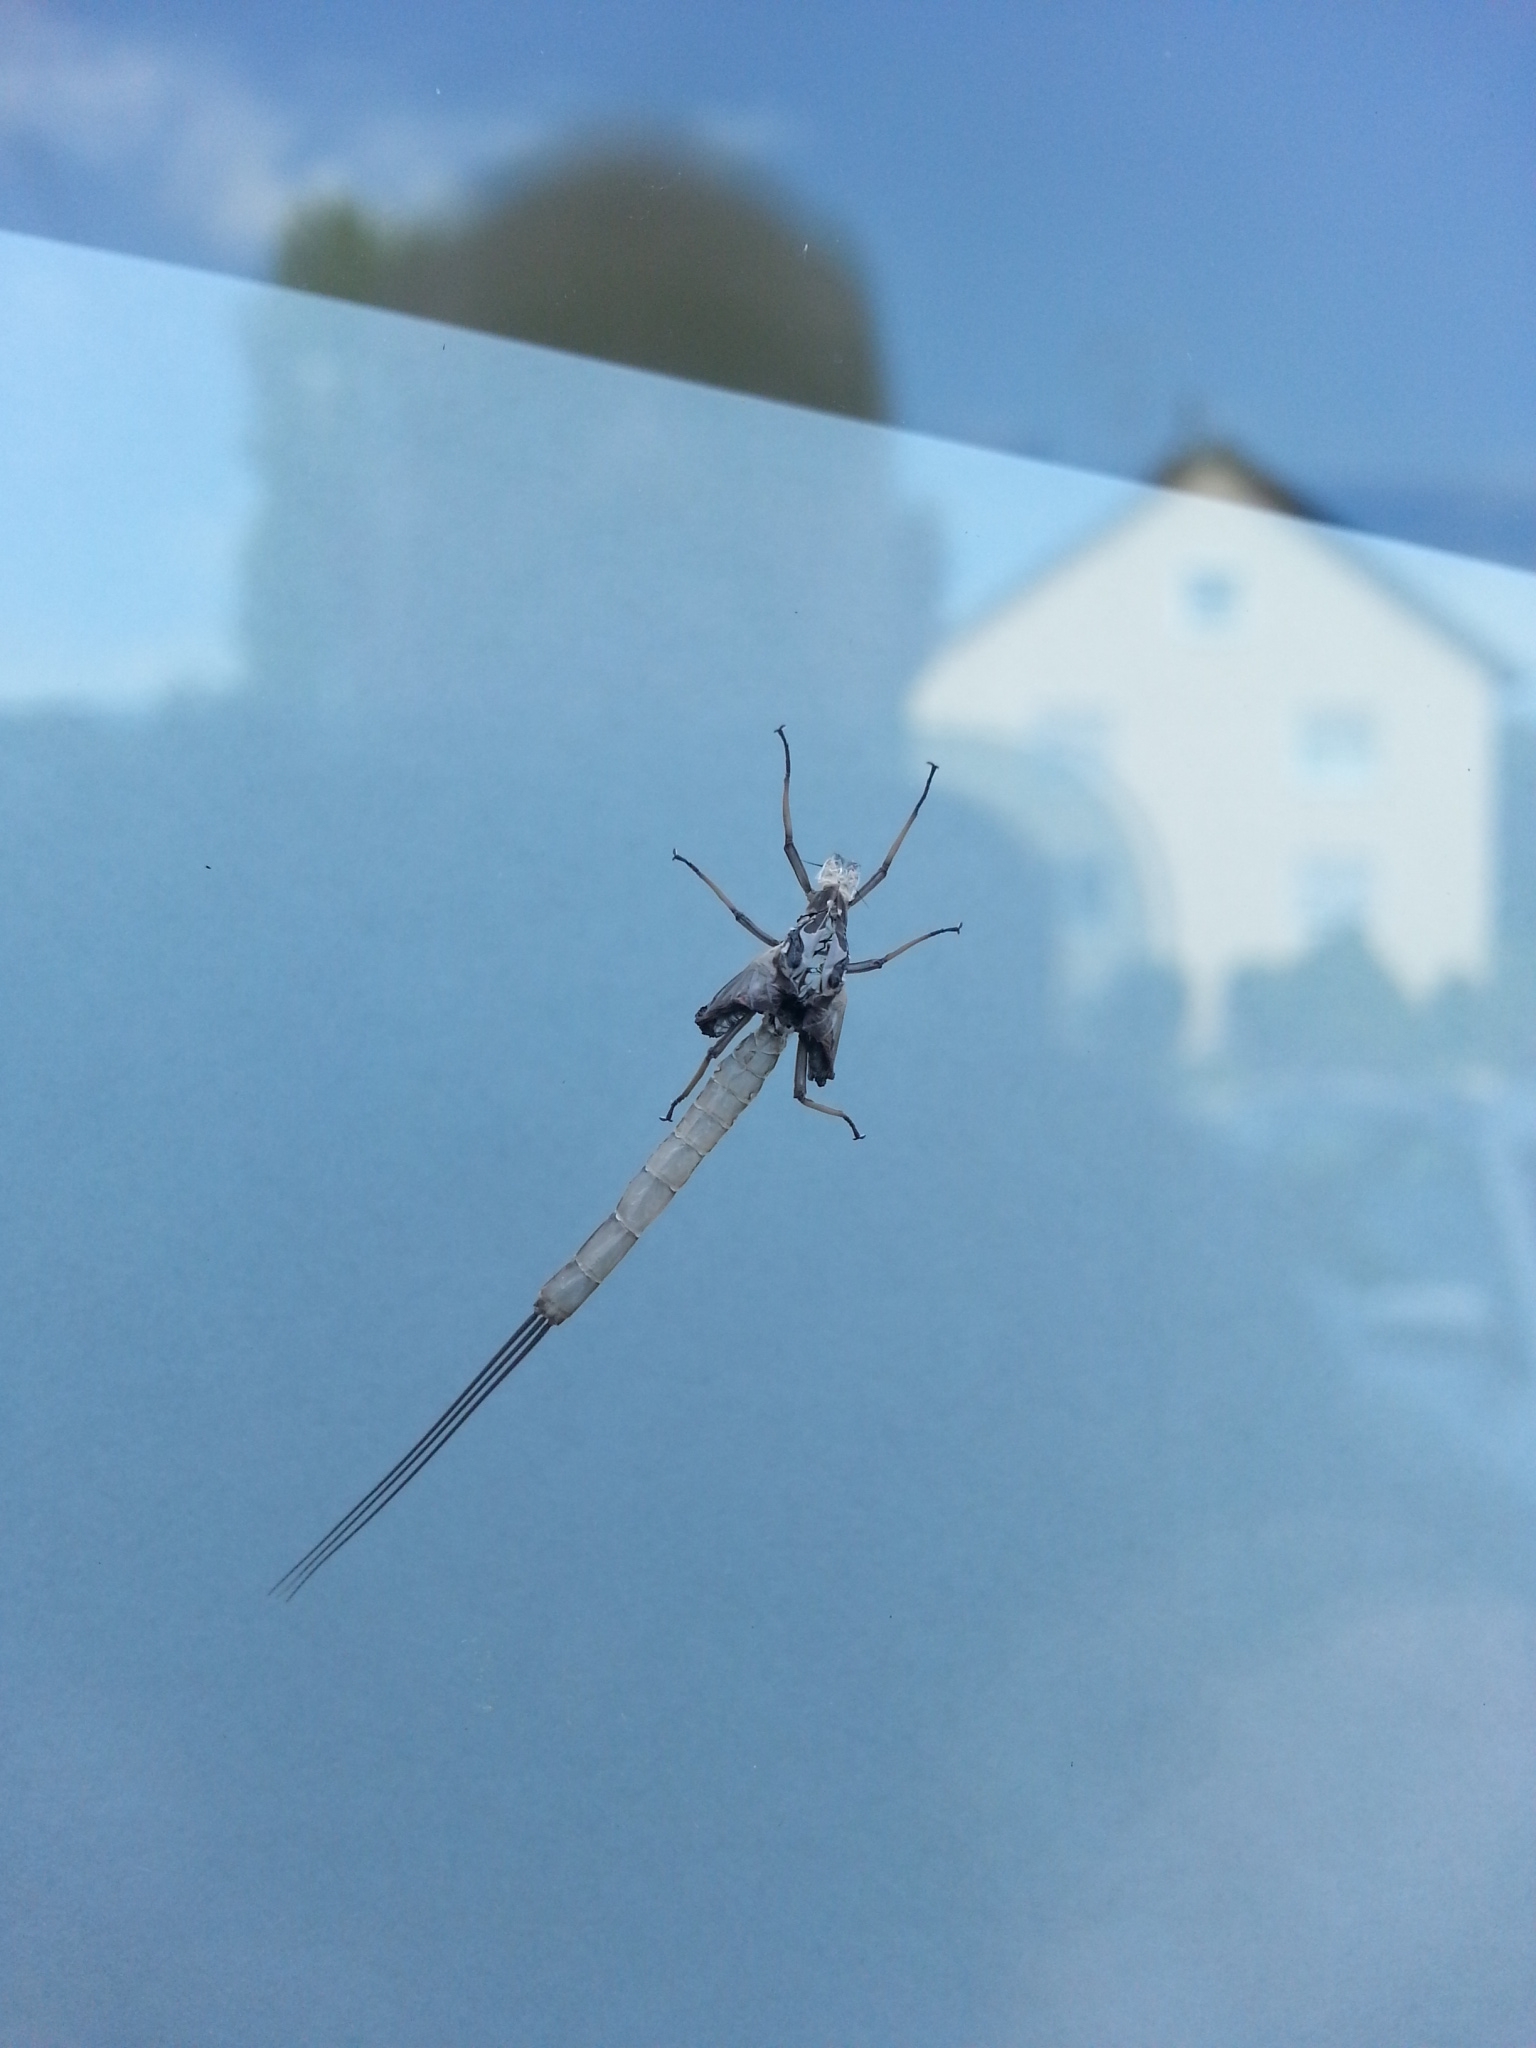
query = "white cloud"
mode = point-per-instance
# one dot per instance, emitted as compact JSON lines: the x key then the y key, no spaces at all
{"x":210,"y":154}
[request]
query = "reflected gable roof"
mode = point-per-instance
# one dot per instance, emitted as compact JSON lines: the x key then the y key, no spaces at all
{"x":1214,"y":469}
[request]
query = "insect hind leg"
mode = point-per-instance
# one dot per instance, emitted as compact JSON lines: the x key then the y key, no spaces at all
{"x":802,"y":1069}
{"x":717,"y":1046}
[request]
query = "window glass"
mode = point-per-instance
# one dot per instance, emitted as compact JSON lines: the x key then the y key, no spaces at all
{"x":1008,"y":1578}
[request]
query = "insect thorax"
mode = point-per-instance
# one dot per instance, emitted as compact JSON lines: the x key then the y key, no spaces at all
{"x":814,"y":956}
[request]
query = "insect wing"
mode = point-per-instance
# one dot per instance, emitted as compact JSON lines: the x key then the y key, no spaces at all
{"x":755,"y":990}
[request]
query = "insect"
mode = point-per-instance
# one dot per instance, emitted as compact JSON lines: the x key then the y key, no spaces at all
{"x":797,"y":986}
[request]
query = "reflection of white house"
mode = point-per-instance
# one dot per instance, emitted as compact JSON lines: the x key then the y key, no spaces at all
{"x":1230,"y":738}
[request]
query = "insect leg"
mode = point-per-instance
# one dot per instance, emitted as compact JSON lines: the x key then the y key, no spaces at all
{"x":869,"y":966}
{"x":802,"y":1067}
{"x":885,"y":866}
{"x":740,"y":916}
{"x":790,"y":848}
{"x":717,"y":1046}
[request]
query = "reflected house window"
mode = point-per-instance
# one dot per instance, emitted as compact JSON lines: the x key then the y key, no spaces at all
{"x":1336,"y":750}
{"x":1211,"y":598}
{"x":1333,"y":894}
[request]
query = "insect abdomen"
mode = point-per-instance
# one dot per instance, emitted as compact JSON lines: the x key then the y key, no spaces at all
{"x":734,"y":1083}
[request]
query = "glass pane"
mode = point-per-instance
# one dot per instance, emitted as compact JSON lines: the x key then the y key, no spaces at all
{"x":1059,"y":1570}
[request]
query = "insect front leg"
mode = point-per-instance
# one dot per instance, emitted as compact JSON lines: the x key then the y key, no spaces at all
{"x":885,"y":866}
{"x":740,"y":916}
{"x":790,"y":848}
{"x":802,"y":1068}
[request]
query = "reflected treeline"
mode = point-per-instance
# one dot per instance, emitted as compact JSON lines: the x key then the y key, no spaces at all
{"x":1335,"y":1009}
{"x":1517,"y":832}
{"x":641,"y":256}
{"x":1339,"y":1007}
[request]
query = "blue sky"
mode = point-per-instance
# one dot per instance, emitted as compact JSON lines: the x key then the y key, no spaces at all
{"x":1090,"y":234}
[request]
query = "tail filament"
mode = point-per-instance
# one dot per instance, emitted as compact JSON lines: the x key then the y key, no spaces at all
{"x":480,"y":1388}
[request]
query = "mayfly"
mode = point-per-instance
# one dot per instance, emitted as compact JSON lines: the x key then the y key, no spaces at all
{"x":797,"y":986}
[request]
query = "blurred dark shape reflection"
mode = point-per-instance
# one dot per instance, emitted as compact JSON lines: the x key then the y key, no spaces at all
{"x":521,"y":527}
{"x":1339,"y":1007}
{"x":641,"y":256}
{"x":1135,"y":1025}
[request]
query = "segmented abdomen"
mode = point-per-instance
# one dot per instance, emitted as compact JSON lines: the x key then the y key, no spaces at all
{"x":733,"y":1084}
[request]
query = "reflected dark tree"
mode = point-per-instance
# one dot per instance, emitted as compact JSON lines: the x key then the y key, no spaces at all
{"x":1134,"y":1025}
{"x":540,"y":532}
{"x":638,"y":257}
{"x":1336,"y":1006}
